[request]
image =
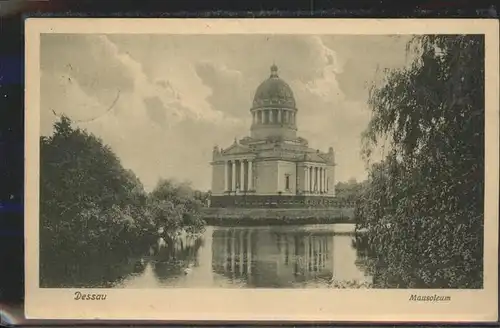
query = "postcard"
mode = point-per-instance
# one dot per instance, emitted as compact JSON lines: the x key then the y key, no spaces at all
{"x":262,"y":169}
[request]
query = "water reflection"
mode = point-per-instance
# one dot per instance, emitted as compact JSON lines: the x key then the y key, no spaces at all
{"x":272,"y":258}
{"x":253,"y":257}
{"x":232,"y":257}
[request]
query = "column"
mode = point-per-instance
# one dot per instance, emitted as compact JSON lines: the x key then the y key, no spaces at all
{"x":261,"y":114}
{"x":325,"y":179}
{"x":323,"y":174}
{"x":316,"y":179}
{"x":242,"y":175}
{"x":253,"y":117}
{"x":226,"y":175}
{"x":233,"y":175}
{"x":280,"y":120}
{"x":271,"y":116}
{"x":311,"y":179}
{"x":320,"y":182}
{"x":306,"y":179}
{"x":250,"y":175}
{"x":321,"y":179}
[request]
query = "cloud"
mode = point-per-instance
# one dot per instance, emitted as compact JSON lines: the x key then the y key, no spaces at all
{"x":362,"y":56}
{"x":155,"y":110}
{"x":76,"y":56}
{"x":62,"y":94}
{"x":230,"y":94}
{"x":181,"y":95}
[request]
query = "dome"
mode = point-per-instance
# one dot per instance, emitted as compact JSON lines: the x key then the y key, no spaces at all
{"x":274,"y":92}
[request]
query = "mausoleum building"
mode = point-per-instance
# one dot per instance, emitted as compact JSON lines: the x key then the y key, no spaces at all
{"x":273,"y":166}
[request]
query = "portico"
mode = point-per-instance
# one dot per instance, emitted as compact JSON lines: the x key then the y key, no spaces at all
{"x":315,"y":179}
{"x":238,"y":175}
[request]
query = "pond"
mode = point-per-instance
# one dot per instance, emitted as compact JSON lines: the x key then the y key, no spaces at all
{"x":284,"y":256}
{"x":310,"y":256}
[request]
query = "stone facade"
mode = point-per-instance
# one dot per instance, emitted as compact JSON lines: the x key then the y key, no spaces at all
{"x":273,"y":161}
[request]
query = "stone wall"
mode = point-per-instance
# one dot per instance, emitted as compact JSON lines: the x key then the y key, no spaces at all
{"x":284,"y":169}
{"x":218,"y":178}
{"x":278,"y":215}
{"x":266,"y":179}
{"x":331,"y":179}
{"x":277,"y":201}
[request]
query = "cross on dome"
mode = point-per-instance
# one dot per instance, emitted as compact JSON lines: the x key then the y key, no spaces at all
{"x":274,"y":70}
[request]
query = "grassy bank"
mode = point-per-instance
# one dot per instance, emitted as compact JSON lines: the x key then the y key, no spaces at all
{"x":251,"y":216}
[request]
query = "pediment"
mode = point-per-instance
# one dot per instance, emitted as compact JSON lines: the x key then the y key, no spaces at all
{"x":236,"y":149}
{"x":315,"y":157}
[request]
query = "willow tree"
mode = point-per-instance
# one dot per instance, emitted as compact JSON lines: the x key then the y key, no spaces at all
{"x":423,"y":206}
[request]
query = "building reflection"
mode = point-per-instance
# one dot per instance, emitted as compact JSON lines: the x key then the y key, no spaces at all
{"x":268,"y":258}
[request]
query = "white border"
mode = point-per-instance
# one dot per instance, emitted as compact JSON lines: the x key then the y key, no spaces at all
{"x":267,"y":304}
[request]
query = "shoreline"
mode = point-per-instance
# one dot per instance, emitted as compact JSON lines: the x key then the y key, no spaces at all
{"x":271,"y":221}
{"x":277,"y":216}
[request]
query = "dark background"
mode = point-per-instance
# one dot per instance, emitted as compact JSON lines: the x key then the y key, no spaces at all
{"x":12,"y":15}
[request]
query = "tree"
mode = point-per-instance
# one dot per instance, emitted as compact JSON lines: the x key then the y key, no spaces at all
{"x":423,"y":206}
{"x":88,"y":202}
{"x":349,"y":191}
{"x":93,"y":210}
{"x":175,"y":208}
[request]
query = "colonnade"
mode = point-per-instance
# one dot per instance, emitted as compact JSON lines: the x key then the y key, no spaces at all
{"x":315,"y":179}
{"x":238,"y":175}
{"x":274,"y":116}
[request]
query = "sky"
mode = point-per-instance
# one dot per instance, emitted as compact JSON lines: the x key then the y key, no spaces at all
{"x":162,"y":102}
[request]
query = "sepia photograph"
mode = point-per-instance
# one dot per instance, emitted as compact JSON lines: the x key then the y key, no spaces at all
{"x":262,"y":161}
